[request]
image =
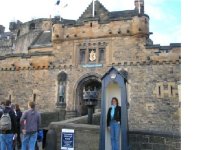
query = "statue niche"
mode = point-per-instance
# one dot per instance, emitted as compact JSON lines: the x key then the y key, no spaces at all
{"x":61,"y":92}
{"x":61,"y":100}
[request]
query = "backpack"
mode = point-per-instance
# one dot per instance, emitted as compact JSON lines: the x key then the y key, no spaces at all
{"x":5,"y":122}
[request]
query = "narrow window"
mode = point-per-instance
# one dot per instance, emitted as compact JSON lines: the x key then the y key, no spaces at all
{"x":145,"y":21}
{"x":101,"y":55}
{"x":171,"y":90}
{"x":34,"y":97}
{"x":10,"y":97}
{"x":82,"y":56}
{"x":159,"y":90}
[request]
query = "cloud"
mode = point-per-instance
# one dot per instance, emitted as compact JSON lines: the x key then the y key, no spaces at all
{"x":164,"y":20}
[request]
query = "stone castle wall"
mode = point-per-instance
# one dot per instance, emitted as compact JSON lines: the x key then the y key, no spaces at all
{"x":6,"y":46}
{"x":148,"y":110}
{"x":151,"y":108}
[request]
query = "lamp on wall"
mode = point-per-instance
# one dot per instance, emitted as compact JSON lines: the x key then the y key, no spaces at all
{"x":113,"y":76}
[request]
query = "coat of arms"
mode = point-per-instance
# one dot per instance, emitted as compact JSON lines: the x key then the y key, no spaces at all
{"x":92,"y":56}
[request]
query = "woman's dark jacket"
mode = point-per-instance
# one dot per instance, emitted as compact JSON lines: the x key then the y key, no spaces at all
{"x":18,"y":116}
{"x":117,"y":115}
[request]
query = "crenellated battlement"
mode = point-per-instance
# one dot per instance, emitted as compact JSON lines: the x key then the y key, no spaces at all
{"x":137,"y":27}
{"x":46,"y":64}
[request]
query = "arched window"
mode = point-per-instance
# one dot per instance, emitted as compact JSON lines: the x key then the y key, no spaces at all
{"x":61,"y":100}
{"x":18,"y":33}
{"x":32,"y":26}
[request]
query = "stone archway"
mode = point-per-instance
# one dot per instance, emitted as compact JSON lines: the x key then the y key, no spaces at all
{"x":86,"y":82}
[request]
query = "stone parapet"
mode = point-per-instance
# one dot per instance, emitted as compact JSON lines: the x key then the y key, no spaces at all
{"x":86,"y":136}
{"x":141,"y":140}
{"x":57,"y":66}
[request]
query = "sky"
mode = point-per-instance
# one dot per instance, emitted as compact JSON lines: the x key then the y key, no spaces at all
{"x":165,"y":15}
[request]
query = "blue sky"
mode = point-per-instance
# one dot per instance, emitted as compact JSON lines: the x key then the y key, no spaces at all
{"x":165,"y":15}
{"x":165,"y":20}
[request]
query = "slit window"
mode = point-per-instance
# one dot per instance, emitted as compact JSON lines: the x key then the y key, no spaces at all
{"x":101,"y":54}
{"x":171,"y":90}
{"x":10,"y":97}
{"x":159,"y":90}
{"x":82,"y":56}
{"x":34,"y":97}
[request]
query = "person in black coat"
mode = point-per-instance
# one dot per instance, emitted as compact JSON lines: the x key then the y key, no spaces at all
{"x":6,"y":136}
{"x":114,"y":122}
{"x":18,"y":117}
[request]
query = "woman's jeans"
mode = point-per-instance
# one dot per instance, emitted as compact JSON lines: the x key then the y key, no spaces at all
{"x":114,"y":134}
{"x":29,"y":139}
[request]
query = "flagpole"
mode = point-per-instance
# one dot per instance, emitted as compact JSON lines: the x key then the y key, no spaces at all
{"x":93,"y":8}
{"x":139,"y":6}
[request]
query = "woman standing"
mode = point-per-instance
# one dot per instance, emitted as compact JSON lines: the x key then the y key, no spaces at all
{"x":114,"y":121}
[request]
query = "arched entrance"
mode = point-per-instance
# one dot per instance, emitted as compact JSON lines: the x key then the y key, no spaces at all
{"x":88,"y":82}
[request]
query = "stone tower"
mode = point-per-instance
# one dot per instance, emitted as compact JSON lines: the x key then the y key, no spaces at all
{"x":140,"y":22}
{"x":58,"y":33}
{"x":2,"y":29}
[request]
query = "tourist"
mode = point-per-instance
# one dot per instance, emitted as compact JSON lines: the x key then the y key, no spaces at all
{"x":113,"y":122}
{"x":7,"y":127}
{"x":1,"y":112}
{"x":18,"y":117}
{"x":12,"y":106}
{"x":2,"y":106}
{"x":30,"y":120}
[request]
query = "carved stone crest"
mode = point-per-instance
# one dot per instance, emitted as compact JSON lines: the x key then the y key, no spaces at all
{"x":92,"y":56}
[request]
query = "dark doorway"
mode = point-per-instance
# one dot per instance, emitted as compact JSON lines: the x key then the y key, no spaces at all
{"x":88,"y":83}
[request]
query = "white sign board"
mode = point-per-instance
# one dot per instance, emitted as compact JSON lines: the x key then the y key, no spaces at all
{"x":67,"y":139}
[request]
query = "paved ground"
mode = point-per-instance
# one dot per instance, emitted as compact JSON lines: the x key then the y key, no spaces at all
{"x":39,"y":146}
